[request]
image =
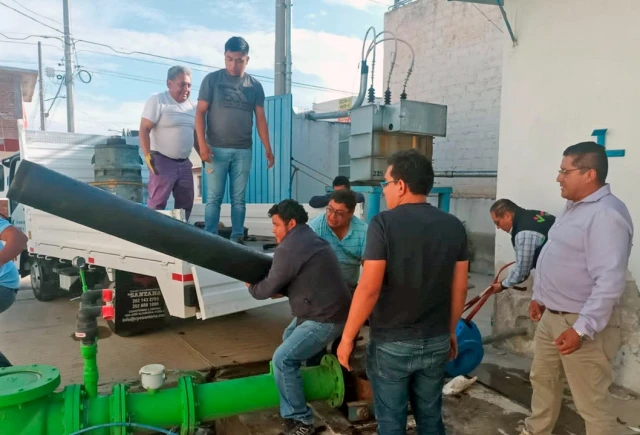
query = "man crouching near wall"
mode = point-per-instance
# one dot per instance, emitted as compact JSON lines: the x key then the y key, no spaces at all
{"x":306,"y":270}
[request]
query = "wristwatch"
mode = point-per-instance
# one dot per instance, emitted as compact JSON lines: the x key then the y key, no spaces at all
{"x":581,"y":334}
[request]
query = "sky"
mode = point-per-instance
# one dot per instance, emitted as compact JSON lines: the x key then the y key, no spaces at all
{"x":327,"y":39}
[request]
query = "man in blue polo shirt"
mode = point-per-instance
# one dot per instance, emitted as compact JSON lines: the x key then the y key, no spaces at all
{"x":345,"y":233}
{"x":14,"y":242}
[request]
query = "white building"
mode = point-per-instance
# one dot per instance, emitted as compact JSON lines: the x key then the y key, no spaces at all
{"x":458,"y":63}
{"x":574,"y":70}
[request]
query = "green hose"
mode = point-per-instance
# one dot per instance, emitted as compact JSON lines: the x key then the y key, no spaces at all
{"x":29,"y":404}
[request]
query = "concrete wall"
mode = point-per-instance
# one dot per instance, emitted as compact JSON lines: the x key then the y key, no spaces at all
{"x":10,"y":111}
{"x":458,"y":63}
{"x":572,"y":72}
{"x":315,"y":154}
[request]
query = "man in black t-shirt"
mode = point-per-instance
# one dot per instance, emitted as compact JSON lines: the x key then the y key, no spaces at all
{"x":414,"y":285}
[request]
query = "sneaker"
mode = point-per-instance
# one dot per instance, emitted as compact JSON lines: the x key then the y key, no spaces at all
{"x":299,"y":428}
{"x":240,"y":241}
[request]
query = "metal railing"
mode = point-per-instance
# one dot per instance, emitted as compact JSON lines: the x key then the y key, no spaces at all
{"x":400,"y":3}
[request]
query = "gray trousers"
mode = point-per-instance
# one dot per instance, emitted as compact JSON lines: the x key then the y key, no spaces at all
{"x":7,"y":298}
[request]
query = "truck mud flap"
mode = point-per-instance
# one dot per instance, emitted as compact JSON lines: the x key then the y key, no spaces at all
{"x":139,"y":305}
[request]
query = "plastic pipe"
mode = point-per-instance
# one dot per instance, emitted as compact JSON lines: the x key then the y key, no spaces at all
{"x":364,"y":72}
{"x":185,"y":406}
{"x":89,"y":354}
{"x":55,"y":193}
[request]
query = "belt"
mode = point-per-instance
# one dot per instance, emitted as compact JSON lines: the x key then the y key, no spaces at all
{"x":559,"y":312}
{"x":167,"y":157}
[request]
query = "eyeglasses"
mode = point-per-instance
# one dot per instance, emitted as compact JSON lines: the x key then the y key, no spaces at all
{"x":339,"y":213}
{"x":566,"y":171}
{"x":384,"y":184}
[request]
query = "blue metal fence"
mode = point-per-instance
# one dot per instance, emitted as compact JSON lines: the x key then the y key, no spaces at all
{"x":272,"y":185}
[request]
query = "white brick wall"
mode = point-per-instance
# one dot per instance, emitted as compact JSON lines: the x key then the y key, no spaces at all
{"x":458,"y":63}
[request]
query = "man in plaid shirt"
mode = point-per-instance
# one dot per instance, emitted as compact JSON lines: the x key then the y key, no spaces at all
{"x":529,"y":229}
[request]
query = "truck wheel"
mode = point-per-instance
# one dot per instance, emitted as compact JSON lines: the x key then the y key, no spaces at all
{"x":43,"y":281}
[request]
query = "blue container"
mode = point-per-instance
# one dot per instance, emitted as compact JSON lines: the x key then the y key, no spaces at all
{"x":470,"y":349}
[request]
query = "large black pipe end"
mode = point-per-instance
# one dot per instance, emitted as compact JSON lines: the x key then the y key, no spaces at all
{"x":62,"y":196}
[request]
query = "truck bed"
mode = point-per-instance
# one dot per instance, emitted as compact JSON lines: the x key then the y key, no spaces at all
{"x":61,"y":239}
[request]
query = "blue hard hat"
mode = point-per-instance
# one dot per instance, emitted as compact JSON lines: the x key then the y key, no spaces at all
{"x":470,"y":349}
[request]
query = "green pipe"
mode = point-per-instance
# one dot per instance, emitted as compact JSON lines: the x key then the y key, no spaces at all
{"x":89,"y":355}
{"x":35,"y":409}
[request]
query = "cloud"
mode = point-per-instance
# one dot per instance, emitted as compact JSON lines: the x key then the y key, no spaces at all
{"x":362,"y":5}
{"x":322,"y":58}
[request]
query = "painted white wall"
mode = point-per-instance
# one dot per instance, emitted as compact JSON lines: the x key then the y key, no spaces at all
{"x":573,"y":71}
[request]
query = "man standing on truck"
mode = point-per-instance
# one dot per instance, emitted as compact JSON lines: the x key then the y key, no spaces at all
{"x":166,"y":138}
{"x":306,"y":270}
{"x":14,"y":242}
{"x":224,"y":125}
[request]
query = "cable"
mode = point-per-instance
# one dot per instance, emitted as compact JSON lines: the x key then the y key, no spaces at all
{"x":309,"y":175}
{"x":393,"y":57}
{"x":309,"y":167}
{"x":126,"y":424}
{"x":143,"y":53}
{"x":128,"y":54}
{"x":55,"y":98}
{"x":30,"y":17}
{"x":364,"y":42}
{"x":488,"y":19}
{"x":35,"y":13}
{"x":413,"y":58}
{"x":31,"y":36}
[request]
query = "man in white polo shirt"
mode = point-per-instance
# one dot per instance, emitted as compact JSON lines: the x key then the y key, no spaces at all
{"x":167,"y":134}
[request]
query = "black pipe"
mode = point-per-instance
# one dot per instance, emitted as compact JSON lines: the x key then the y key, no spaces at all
{"x":54,"y":193}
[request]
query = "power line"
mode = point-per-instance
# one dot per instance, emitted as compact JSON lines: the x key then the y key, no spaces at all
{"x":35,"y":13}
{"x":31,"y":36}
{"x":488,"y":19}
{"x":129,"y":57}
{"x":297,"y":84}
{"x":30,"y":17}
{"x":129,"y":53}
{"x":137,"y":59}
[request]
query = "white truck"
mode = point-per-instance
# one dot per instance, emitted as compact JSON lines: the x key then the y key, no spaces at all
{"x":149,"y":286}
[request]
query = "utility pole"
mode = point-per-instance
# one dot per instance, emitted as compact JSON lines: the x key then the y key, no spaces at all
{"x":42,"y":127}
{"x":287,"y":86}
{"x":68,"y":67}
{"x":280,"y":54}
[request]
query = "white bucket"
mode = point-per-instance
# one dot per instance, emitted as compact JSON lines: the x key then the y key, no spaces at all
{"x":152,"y":376}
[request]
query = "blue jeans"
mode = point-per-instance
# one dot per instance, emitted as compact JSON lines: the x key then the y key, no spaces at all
{"x":408,"y":371}
{"x":7,"y":298}
{"x":299,"y":343}
{"x":234,"y":164}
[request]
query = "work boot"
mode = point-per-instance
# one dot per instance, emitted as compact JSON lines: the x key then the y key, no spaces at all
{"x":299,"y":428}
{"x":288,"y":425}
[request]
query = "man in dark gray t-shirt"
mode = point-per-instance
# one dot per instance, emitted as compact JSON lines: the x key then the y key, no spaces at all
{"x":224,"y":124}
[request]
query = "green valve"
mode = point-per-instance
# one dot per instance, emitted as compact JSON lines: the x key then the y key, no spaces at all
{"x":26,"y":383}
